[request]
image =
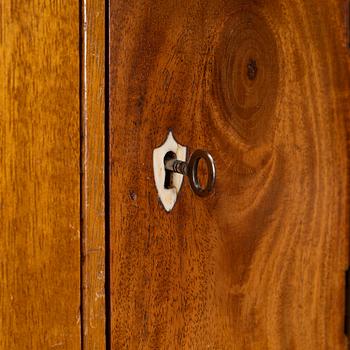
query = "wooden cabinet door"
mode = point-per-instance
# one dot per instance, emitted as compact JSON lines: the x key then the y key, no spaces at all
{"x":260,"y":263}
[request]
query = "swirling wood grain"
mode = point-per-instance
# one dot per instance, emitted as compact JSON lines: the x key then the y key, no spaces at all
{"x":264,"y":86}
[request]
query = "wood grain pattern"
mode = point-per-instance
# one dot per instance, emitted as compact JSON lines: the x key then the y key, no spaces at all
{"x":264,"y":86}
{"x":39,"y":175}
{"x":93,"y":193}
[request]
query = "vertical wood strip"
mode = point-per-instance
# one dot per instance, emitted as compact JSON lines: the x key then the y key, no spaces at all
{"x":93,"y":159}
{"x":39,"y":175}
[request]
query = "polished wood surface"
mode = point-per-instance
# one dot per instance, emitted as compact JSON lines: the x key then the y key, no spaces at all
{"x":93,"y":176}
{"x":39,"y":175}
{"x":264,"y":86}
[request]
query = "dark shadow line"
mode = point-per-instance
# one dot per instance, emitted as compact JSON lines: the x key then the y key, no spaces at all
{"x":107,"y":185}
{"x":81,"y":163}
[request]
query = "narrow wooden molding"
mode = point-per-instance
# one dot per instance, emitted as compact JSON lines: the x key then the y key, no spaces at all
{"x":93,"y":176}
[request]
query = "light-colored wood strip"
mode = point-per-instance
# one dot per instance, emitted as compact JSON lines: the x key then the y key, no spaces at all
{"x":93,"y":158}
{"x":39,"y":175}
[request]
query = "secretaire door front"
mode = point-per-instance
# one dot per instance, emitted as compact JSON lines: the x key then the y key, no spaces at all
{"x":263,"y":87}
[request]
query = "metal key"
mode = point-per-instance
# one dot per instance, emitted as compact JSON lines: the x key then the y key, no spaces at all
{"x":190,"y":169}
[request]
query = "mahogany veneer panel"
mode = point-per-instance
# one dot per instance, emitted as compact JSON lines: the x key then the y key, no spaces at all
{"x":264,"y":86}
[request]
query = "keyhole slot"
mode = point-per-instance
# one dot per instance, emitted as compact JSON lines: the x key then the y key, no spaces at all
{"x":168,"y":181}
